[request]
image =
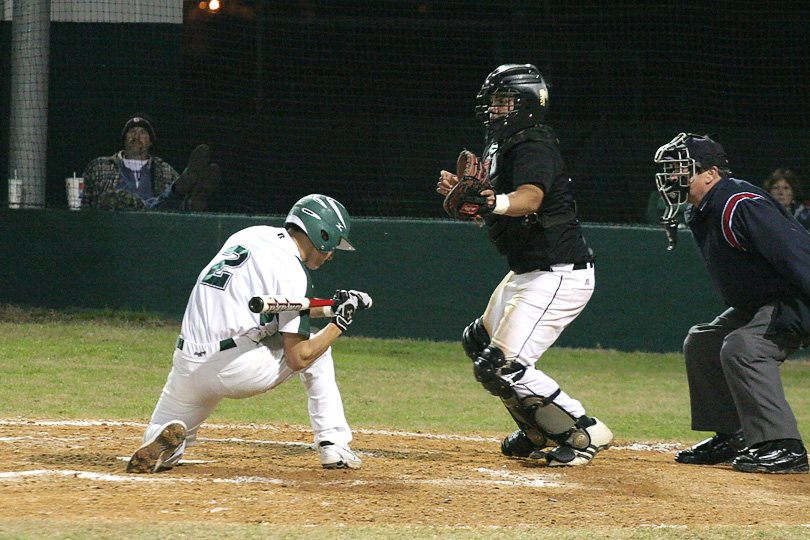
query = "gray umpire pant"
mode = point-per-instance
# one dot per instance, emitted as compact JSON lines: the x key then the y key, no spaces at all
{"x":734,"y":379}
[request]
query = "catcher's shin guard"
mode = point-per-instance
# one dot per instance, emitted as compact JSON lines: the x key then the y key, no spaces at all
{"x":543,"y":416}
{"x":538,"y":417}
{"x":475,"y":338}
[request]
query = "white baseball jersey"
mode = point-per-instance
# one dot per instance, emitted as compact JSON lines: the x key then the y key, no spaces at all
{"x":227,"y":351}
{"x":255,"y":261}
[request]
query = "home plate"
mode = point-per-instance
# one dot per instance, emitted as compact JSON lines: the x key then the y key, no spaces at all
{"x":181,"y":462}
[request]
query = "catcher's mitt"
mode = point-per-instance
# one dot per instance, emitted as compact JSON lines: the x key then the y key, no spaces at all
{"x":464,"y":201}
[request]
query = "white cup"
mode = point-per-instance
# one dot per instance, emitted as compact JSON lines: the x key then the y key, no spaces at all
{"x":75,"y":190}
{"x":14,"y":192}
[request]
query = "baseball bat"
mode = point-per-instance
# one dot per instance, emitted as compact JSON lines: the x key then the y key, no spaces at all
{"x":276,"y":304}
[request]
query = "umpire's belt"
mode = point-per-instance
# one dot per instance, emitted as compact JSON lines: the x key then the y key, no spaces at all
{"x":224,"y":345}
{"x":566,"y":267}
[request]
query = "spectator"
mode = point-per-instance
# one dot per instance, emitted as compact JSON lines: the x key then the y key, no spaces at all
{"x":132,"y":179}
{"x":784,"y":185}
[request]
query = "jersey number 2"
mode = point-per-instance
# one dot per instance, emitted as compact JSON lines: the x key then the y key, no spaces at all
{"x":218,"y":275}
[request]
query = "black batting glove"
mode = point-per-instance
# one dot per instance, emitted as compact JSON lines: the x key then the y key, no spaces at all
{"x":343,"y":308}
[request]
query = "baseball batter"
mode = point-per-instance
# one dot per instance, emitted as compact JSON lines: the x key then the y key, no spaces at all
{"x":530,"y":218}
{"x":226,"y":351}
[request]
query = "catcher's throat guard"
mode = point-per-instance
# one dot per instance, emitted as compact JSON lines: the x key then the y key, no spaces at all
{"x":673,"y":183}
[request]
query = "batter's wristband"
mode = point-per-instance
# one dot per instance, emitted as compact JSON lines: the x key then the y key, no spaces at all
{"x":327,"y":311}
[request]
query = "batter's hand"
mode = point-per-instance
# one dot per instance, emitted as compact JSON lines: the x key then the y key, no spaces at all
{"x":343,"y":309}
{"x":446,"y":182}
{"x":363,"y":299}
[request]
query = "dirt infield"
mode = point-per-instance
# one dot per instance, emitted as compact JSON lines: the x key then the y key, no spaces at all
{"x":271,"y":474}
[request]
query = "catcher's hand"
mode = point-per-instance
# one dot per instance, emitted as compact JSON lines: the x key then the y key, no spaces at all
{"x":447,"y":181}
{"x":464,"y":199}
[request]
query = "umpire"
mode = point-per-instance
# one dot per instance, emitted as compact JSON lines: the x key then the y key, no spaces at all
{"x":758,"y":256}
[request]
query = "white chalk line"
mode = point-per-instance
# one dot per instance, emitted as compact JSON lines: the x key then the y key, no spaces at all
{"x":493,"y":477}
{"x":88,"y":423}
{"x":638,"y":446}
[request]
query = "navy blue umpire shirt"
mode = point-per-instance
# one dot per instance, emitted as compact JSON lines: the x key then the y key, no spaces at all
{"x":755,"y":251}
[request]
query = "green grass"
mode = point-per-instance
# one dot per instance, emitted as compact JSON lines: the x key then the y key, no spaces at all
{"x":112,"y":365}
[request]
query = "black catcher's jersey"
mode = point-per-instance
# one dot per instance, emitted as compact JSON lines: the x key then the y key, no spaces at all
{"x":552,"y":235}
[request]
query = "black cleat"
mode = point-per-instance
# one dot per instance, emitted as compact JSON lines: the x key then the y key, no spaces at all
{"x":518,"y":444}
{"x":785,"y":456}
{"x":721,"y":448}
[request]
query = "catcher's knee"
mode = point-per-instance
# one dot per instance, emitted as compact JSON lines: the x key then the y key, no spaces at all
{"x":495,"y":373}
{"x":475,"y":338}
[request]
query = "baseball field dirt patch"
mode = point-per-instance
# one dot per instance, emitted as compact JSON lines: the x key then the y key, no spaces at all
{"x":271,"y":474}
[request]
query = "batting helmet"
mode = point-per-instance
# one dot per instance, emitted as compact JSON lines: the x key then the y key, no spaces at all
{"x":683,"y":157}
{"x":324,"y":220}
{"x":527,"y":89}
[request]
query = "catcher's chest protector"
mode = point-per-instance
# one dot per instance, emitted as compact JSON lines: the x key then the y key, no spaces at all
{"x":495,"y":151}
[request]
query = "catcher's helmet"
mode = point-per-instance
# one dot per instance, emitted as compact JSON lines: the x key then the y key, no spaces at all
{"x":324,"y":220}
{"x":526,"y":86}
{"x":683,"y":157}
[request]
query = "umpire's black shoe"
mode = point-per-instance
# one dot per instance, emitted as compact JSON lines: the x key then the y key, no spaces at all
{"x":721,"y":448}
{"x":783,"y":456}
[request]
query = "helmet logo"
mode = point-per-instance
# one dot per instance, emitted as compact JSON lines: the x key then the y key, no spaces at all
{"x":310,"y":213}
{"x":340,"y":226}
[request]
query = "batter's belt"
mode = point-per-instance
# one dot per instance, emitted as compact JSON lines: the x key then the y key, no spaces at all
{"x":224,"y":345}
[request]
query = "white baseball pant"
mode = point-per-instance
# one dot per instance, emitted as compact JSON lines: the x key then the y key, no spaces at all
{"x":202,"y":376}
{"x":528,"y":312}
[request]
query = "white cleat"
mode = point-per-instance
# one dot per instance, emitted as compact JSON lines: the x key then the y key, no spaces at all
{"x":334,"y":456}
{"x":150,"y":457}
{"x":566,"y":456}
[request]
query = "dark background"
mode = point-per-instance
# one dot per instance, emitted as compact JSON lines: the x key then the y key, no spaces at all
{"x":367,"y":101}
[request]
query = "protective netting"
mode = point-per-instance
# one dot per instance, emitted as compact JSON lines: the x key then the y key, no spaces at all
{"x":367,"y":100}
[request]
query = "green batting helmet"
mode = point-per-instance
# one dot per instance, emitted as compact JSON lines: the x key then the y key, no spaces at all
{"x":325,"y":221}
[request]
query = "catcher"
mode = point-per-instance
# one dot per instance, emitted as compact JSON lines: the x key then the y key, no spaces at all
{"x":522,"y":194}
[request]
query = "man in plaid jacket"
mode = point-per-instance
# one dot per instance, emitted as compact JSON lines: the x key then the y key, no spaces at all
{"x":132,"y":179}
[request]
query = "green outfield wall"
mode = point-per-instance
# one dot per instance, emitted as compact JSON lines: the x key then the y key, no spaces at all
{"x":428,"y":278}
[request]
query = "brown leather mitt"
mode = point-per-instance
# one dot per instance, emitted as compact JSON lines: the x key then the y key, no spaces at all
{"x":464,"y":201}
